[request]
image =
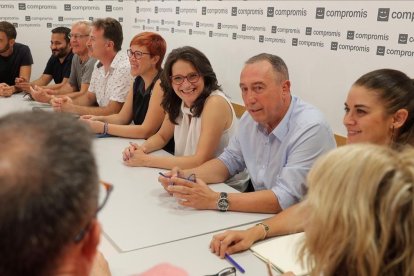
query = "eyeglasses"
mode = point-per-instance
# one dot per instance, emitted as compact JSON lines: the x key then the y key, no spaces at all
{"x":228,"y":271}
{"x":136,"y":54}
{"x":77,"y":36}
{"x":179,"y":79}
{"x":108,"y":189}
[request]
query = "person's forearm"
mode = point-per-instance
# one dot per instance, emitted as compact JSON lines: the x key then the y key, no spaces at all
{"x":114,"y":119}
{"x":56,"y":86}
{"x":90,"y":110}
{"x":290,"y":220}
{"x":127,"y":131}
{"x":258,"y":202}
{"x":65,"y":89}
{"x":169,"y":162}
{"x":212,"y":171}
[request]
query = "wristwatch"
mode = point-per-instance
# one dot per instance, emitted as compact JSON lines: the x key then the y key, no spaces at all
{"x":223,"y":202}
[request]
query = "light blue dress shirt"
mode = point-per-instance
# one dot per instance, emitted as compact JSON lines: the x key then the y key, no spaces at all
{"x":279,"y":161}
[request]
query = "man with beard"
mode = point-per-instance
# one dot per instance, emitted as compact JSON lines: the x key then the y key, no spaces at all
{"x":81,"y":69}
{"x":15,"y":60}
{"x":59,"y":64}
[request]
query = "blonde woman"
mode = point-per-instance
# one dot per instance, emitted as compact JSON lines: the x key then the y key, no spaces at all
{"x":361,"y":212}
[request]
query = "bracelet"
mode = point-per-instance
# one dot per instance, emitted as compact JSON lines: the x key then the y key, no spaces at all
{"x":265,"y":228}
{"x":105,"y":128}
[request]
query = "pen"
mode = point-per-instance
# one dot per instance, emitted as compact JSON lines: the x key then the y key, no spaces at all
{"x":269,"y":268}
{"x":233,"y":262}
{"x":189,"y":178}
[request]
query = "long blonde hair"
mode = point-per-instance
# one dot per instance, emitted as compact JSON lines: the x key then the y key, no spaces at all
{"x":361,"y":200}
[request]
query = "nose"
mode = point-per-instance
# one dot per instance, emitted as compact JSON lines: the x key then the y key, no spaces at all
{"x":348,"y":119}
{"x":249,"y":97}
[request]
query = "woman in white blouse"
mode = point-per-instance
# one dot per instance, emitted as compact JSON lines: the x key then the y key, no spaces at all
{"x":199,"y":116}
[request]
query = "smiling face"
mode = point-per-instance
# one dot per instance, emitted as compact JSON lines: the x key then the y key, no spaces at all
{"x":139,"y":67}
{"x":59,"y":46}
{"x":266,"y":97}
{"x":97,"y":43}
{"x":79,"y":38}
{"x":187,"y":91}
{"x":5,"y":44}
{"x":366,"y":119}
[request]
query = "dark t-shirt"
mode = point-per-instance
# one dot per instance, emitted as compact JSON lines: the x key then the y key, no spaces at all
{"x":58,"y":70}
{"x":140,"y":104}
{"x":10,"y":66}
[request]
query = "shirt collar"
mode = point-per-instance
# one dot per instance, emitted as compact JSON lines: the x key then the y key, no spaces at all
{"x":281,"y":130}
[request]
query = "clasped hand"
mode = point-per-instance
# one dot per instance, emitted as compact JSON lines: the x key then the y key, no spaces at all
{"x":6,"y":90}
{"x":61,"y":104}
{"x":135,"y":155}
{"x":189,"y":193}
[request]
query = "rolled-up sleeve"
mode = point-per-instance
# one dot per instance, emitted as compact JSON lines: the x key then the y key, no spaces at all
{"x":232,"y":157}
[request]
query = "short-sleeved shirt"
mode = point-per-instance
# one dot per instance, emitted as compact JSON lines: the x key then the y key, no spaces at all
{"x":59,"y":70}
{"x":141,"y":99}
{"x":280,"y":160}
{"x":114,"y":84}
{"x":10,"y":66}
{"x":81,"y":72}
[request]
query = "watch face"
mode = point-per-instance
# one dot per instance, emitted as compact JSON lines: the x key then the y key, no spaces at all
{"x":223,"y":204}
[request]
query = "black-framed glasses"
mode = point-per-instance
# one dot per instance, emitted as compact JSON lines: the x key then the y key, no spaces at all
{"x":179,"y":79}
{"x":228,"y":271}
{"x":77,"y":36}
{"x":136,"y":54}
{"x":108,"y":189}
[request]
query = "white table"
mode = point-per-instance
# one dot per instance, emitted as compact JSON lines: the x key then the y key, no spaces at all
{"x":192,"y":254}
{"x":144,"y":226}
{"x":140,"y":213}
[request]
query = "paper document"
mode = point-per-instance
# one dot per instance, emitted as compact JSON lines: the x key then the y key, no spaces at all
{"x":282,"y":252}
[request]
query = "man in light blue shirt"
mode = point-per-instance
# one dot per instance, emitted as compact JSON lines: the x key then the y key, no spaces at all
{"x":278,"y":139}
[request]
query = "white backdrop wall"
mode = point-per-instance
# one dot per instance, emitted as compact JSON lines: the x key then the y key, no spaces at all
{"x":327,"y":45}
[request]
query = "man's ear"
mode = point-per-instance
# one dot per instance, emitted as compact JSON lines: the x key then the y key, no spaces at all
{"x":286,"y":87}
{"x":12,"y":41}
{"x":91,"y":241}
{"x":399,"y":118}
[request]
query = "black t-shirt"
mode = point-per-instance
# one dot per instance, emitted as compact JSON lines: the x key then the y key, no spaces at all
{"x":58,"y":70}
{"x":10,"y":66}
{"x":140,"y":104}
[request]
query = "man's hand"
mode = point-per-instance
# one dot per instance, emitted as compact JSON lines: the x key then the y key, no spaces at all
{"x":193,"y":194}
{"x":61,"y":104}
{"x":6,"y":90}
{"x":41,"y":94}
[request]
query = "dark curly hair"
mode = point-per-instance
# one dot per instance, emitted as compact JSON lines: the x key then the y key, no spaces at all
{"x":171,"y":102}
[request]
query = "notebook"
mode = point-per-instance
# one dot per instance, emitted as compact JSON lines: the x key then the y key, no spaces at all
{"x":282,"y":252}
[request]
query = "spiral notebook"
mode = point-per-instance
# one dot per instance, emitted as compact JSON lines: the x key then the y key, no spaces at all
{"x":283,"y":253}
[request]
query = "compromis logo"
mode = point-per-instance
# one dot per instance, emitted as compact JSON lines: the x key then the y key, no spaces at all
{"x":82,"y":8}
{"x":6,"y":6}
{"x":67,"y":7}
{"x":383,"y":14}
{"x":271,"y":11}
{"x":108,"y":8}
{"x":380,"y":50}
{"x":402,"y":39}
{"x":403,"y":15}
{"x":235,"y":11}
{"x":321,"y":13}
{"x":22,"y":6}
